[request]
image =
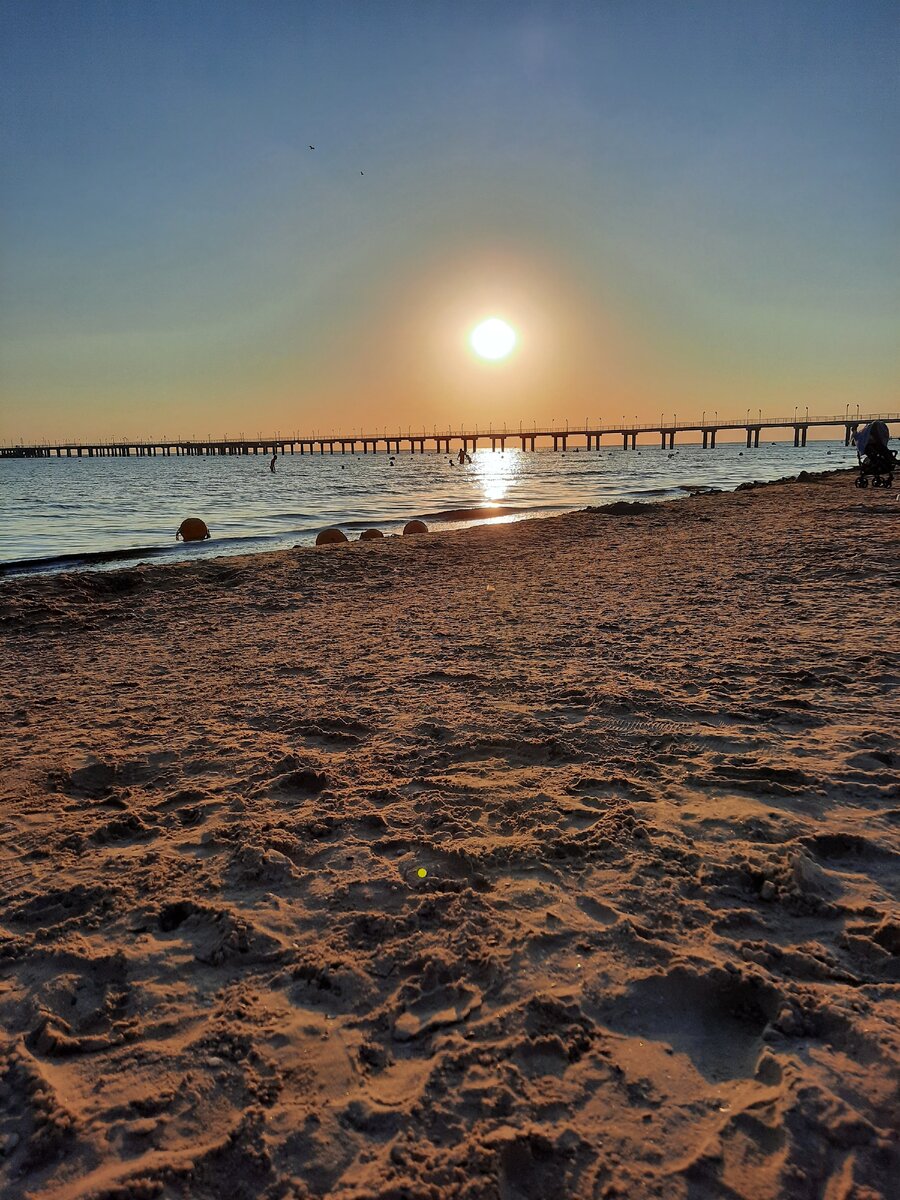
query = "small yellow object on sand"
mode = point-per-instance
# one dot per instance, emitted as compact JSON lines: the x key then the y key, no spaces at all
{"x":421,"y":872}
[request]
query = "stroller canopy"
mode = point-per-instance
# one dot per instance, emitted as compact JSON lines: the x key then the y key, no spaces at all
{"x":873,"y":436}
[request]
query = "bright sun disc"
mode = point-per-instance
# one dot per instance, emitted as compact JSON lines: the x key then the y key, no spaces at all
{"x":493,"y":338}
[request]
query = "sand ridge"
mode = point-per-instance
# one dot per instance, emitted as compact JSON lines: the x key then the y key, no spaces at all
{"x":649,"y":763}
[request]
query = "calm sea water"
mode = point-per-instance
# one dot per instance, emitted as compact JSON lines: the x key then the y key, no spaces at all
{"x":62,"y":513}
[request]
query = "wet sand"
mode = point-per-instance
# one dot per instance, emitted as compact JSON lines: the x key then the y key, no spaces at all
{"x":647,"y":761}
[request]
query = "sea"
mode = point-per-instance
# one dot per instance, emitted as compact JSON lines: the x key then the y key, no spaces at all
{"x":102,"y":513}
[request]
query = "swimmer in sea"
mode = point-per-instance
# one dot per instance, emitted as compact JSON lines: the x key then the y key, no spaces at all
{"x":272,"y":463}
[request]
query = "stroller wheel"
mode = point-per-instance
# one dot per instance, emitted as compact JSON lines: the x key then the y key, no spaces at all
{"x":861,"y":481}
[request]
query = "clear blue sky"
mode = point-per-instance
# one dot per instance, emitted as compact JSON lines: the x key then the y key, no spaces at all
{"x":676,"y":205}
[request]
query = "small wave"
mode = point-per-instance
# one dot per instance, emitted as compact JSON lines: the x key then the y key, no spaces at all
{"x":101,"y":558}
{"x":89,"y":558}
{"x":475,"y":514}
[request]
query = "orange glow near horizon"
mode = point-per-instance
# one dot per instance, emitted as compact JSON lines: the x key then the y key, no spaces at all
{"x":402,"y":357}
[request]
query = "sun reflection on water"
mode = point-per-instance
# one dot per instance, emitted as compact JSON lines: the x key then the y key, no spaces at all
{"x":497,"y":470}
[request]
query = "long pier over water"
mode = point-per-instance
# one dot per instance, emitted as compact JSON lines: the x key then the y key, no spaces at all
{"x":393,"y":443}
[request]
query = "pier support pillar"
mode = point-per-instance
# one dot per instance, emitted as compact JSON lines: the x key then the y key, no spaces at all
{"x":624,"y":441}
{"x":712,"y":438}
{"x":756,"y":439}
{"x":748,"y":437}
{"x":803,"y":434}
{"x":556,"y":445}
{"x":672,"y":440}
{"x":705,"y":439}
{"x":565,"y":444}
{"x":796,"y":435}
{"x":662,"y":436}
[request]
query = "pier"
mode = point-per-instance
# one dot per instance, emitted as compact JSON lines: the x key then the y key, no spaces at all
{"x":590,"y":437}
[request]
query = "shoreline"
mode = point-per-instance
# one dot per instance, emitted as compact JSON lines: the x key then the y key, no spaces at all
{"x":554,"y":859}
{"x":120,"y":558}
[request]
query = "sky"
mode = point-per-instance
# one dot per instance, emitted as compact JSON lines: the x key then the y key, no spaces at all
{"x":679,"y":207}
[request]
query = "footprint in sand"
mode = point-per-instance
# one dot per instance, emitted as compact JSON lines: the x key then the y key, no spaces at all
{"x":218,"y":936}
{"x":445,"y":1006}
{"x":598,"y":911}
{"x":300,"y":783}
{"x":715,"y":1019}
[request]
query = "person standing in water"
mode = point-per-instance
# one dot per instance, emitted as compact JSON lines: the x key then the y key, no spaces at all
{"x":272,"y":463}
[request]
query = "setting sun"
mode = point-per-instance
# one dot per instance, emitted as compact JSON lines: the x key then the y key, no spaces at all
{"x":493,"y":338}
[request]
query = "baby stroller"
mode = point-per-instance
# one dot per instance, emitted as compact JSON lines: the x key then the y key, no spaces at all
{"x":876,"y":459}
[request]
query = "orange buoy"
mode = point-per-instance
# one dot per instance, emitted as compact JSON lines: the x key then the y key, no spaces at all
{"x":331,"y":537}
{"x":192,"y":530}
{"x":368,"y":535}
{"x":415,"y":527}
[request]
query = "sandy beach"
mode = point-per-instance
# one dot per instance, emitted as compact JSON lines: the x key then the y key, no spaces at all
{"x":557,"y":859}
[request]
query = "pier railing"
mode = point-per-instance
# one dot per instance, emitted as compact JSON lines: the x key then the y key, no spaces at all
{"x":557,"y":433}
